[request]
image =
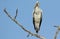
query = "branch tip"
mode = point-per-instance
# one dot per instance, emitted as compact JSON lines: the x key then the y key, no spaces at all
{"x":16,"y":13}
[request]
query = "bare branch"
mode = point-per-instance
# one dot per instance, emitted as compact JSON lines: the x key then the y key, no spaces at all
{"x":55,"y":37}
{"x":16,"y":13}
{"x":36,"y":35}
{"x":58,"y":29}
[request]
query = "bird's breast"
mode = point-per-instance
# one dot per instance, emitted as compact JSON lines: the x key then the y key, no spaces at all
{"x":37,"y":17}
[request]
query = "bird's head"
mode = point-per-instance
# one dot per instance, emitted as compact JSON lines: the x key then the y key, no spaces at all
{"x":37,"y":4}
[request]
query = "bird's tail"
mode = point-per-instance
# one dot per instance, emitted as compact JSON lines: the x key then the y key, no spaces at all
{"x":36,"y":31}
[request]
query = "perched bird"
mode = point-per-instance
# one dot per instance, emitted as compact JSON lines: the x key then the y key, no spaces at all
{"x":37,"y":17}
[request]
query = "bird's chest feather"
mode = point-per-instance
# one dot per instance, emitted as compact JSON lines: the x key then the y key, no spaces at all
{"x":37,"y":14}
{"x":37,"y":17}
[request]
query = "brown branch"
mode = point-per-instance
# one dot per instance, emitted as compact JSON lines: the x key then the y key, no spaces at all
{"x":55,"y":37}
{"x":36,"y":35}
{"x":58,"y":29}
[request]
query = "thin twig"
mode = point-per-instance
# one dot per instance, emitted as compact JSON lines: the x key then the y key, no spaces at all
{"x":58,"y":27}
{"x":16,"y":13}
{"x":36,"y":35}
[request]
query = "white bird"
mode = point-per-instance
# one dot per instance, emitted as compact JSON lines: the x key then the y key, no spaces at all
{"x":37,"y":17}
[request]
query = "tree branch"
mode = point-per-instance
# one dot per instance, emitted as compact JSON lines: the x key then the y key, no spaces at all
{"x":36,"y":35}
{"x":58,"y":29}
{"x":55,"y":37}
{"x":16,"y":13}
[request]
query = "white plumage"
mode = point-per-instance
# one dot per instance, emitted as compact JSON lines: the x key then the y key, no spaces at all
{"x":37,"y":17}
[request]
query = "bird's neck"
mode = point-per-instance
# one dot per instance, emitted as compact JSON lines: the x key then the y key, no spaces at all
{"x":37,"y":7}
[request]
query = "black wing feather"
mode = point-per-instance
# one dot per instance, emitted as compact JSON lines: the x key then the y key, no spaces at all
{"x":34,"y":22}
{"x":40,"y":21}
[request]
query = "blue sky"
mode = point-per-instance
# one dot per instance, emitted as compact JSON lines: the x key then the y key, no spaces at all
{"x":10,"y":30}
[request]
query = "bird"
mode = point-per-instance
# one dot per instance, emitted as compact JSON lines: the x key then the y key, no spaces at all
{"x":37,"y":17}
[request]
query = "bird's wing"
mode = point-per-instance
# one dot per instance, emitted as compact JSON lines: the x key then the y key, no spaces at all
{"x":40,"y":19}
{"x":34,"y":20}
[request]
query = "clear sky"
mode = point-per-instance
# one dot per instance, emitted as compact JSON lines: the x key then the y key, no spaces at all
{"x":10,"y":30}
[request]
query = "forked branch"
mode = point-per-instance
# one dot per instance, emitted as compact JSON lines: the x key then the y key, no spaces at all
{"x":36,"y":35}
